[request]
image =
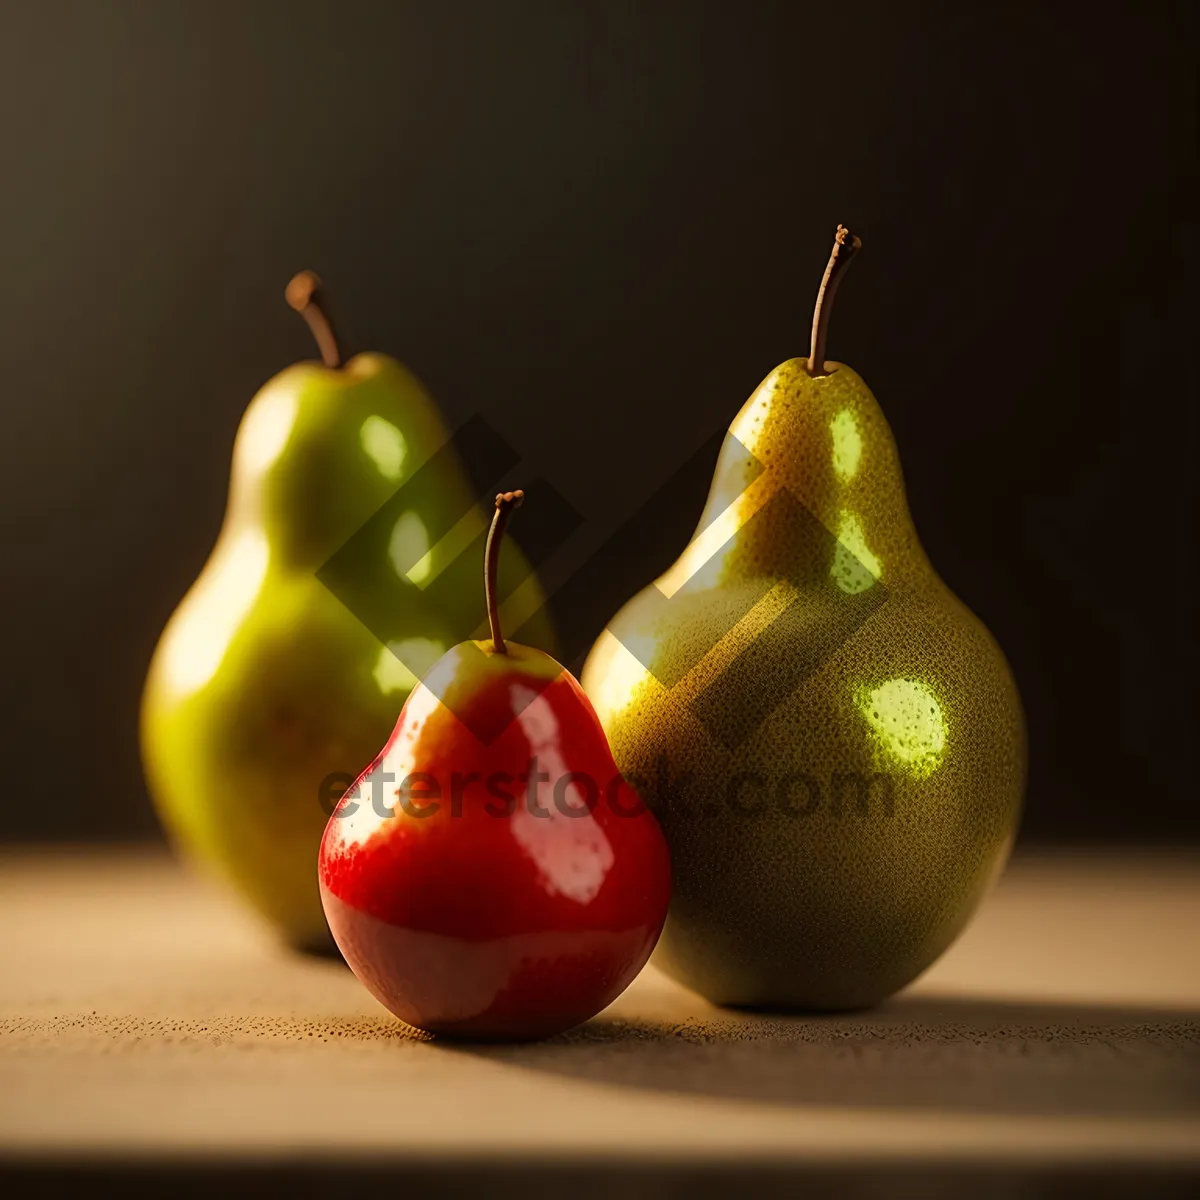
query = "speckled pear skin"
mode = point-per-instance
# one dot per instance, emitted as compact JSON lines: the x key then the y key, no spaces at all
{"x":828,"y":849}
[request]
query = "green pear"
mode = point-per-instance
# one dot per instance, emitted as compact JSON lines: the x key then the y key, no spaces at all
{"x":267,"y":693}
{"x":833,"y":743}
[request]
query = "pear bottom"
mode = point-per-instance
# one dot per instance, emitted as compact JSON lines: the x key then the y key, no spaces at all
{"x":839,"y":952}
{"x":826,"y":853}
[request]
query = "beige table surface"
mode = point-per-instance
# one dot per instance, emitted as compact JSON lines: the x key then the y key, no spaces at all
{"x":144,"y":1016}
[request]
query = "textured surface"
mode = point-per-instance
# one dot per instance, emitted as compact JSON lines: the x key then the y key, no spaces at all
{"x":832,"y":741}
{"x":142,"y":1016}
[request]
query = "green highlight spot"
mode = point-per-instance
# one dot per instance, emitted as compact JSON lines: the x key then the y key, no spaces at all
{"x":847,"y":444}
{"x":401,"y":664}
{"x":907,"y":721}
{"x":410,"y":544}
{"x":854,"y":567}
{"x":384,"y":445}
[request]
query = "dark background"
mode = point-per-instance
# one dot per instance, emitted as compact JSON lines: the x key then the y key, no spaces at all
{"x":600,"y":224}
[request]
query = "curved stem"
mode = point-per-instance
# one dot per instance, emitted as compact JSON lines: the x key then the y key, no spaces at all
{"x":303,"y":294}
{"x":505,"y":503}
{"x":845,"y":246}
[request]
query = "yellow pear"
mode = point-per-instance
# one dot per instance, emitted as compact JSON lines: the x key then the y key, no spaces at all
{"x":832,"y":741}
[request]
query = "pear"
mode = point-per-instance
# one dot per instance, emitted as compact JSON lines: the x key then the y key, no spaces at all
{"x":833,"y":743}
{"x":286,"y":664}
{"x":512,"y":885}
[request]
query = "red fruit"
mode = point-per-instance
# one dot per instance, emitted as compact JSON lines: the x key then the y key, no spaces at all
{"x":491,"y":875}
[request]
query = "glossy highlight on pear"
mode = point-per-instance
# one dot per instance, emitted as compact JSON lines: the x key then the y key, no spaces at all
{"x":852,"y":678}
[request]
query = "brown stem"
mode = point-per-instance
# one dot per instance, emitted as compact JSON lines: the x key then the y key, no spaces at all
{"x":845,"y":245}
{"x":303,"y":294}
{"x":505,"y":503}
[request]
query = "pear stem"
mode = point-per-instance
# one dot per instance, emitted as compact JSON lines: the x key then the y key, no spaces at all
{"x":303,"y":294}
{"x":845,"y":246}
{"x":505,"y":503}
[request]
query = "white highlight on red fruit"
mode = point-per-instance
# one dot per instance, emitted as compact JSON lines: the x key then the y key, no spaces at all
{"x":572,"y":853}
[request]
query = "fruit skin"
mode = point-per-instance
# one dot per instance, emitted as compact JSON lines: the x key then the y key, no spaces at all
{"x":264,"y":684}
{"x":796,"y":904}
{"x":494,"y":918}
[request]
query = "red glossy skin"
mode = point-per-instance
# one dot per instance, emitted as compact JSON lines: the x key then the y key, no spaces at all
{"x":493,"y":917}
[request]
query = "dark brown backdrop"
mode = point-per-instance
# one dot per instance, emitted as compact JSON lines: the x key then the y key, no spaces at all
{"x":611,"y":216}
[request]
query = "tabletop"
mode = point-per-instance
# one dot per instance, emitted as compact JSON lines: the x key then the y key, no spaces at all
{"x":149,"y":1025}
